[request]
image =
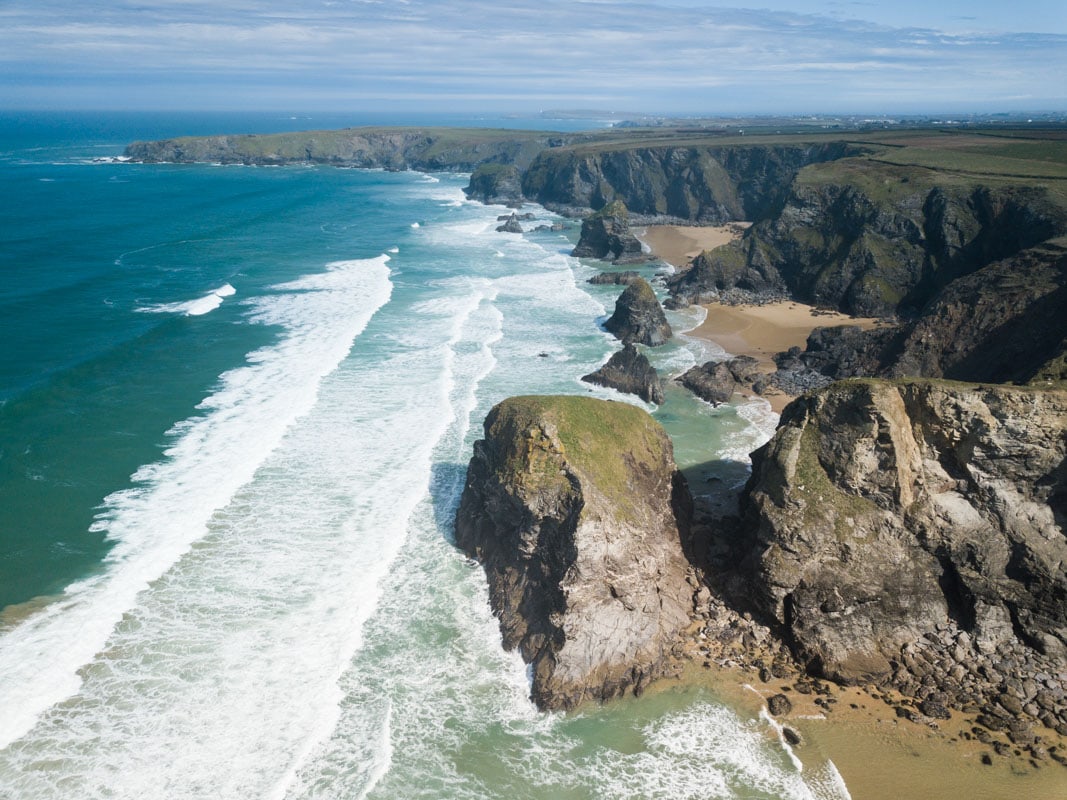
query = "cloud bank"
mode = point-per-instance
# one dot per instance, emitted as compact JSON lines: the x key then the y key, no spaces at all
{"x":521,"y":56}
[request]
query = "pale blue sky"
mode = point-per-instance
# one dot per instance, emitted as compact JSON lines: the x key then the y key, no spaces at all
{"x":478,"y":55}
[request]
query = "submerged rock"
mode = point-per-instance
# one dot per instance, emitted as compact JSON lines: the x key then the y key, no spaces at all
{"x":639,"y":317}
{"x":629,"y":371}
{"x":579,"y":516}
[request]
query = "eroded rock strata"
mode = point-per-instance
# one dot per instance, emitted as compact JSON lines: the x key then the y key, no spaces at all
{"x":912,"y":534}
{"x":579,"y":517}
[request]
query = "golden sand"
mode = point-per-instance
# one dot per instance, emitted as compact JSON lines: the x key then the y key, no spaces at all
{"x":680,"y":244}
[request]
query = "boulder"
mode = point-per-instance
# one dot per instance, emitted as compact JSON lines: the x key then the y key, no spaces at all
{"x":716,"y":381}
{"x":580,"y":518}
{"x":639,"y":317}
{"x":629,"y":371}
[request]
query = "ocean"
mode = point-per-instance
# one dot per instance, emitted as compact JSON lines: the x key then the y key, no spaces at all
{"x":236,"y":407}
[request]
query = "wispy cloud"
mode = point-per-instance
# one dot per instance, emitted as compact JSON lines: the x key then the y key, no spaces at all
{"x":471,"y":53}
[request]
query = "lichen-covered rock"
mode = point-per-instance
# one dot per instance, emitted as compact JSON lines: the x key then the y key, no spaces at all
{"x":639,"y":317}
{"x":629,"y":371}
{"x":606,"y":235}
{"x":882,"y":512}
{"x":580,"y":518}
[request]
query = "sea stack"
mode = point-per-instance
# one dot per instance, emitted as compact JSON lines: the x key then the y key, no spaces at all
{"x":606,"y":235}
{"x":639,"y":317}
{"x":579,"y":516}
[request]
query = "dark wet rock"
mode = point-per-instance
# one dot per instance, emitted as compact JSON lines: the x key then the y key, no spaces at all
{"x":606,"y":235}
{"x":716,"y":381}
{"x":934,"y":708}
{"x":638,"y":316}
{"x":624,"y":278}
{"x":779,"y":705}
{"x":791,"y":736}
{"x":583,"y":550}
{"x":629,"y":371}
{"x":511,"y":225}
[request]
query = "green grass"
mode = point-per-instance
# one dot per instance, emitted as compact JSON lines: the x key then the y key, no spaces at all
{"x":603,"y":441}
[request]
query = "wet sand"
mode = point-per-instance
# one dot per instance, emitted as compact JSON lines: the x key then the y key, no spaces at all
{"x":882,"y":757}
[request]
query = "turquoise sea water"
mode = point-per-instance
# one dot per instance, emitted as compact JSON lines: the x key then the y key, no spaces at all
{"x":236,"y":406}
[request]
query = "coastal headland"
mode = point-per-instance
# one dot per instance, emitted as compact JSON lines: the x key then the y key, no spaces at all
{"x":901,"y":543}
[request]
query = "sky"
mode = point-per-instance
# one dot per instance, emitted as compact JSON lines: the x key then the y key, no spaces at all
{"x":675,"y":56}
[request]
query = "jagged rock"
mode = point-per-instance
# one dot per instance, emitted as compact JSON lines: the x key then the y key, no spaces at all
{"x":881,"y":511}
{"x":579,"y":517}
{"x":711,"y":381}
{"x":606,"y":235}
{"x":639,"y":317}
{"x":555,"y":227}
{"x":511,"y":226}
{"x":624,"y":278}
{"x":779,"y":704}
{"x":716,"y":381}
{"x":521,"y":217}
{"x":629,"y":371}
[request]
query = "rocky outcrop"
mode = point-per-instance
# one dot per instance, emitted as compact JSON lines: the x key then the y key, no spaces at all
{"x":638,"y":317}
{"x":606,"y":235}
{"x":629,"y":371}
{"x":873,"y":239}
{"x":913,"y":534}
{"x":511,"y":225}
{"x":495,"y":183}
{"x":717,"y":381}
{"x":624,"y":278}
{"x":579,"y":517}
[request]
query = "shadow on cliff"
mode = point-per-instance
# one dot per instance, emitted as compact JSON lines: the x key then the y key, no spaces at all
{"x":446,"y":486}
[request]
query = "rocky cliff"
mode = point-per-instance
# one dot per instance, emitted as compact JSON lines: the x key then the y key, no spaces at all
{"x":914,"y":534}
{"x":580,"y":519}
{"x":875,"y":239}
{"x":629,"y":371}
{"x":1003,"y":323}
{"x":699,"y":182}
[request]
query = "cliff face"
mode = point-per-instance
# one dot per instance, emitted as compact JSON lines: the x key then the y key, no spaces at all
{"x":887,"y":517}
{"x":877,"y":240}
{"x":579,"y":517}
{"x":712,"y":184}
{"x":1003,"y":323}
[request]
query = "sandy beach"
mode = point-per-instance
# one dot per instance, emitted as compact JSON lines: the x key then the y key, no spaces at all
{"x":680,"y":244}
{"x":756,"y":331}
{"x":761,"y":331}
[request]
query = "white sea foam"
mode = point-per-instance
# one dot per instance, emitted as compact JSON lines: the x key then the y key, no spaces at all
{"x":193,"y":308}
{"x":211,"y":457}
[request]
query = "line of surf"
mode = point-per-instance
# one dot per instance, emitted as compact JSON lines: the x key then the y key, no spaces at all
{"x":211,"y":457}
